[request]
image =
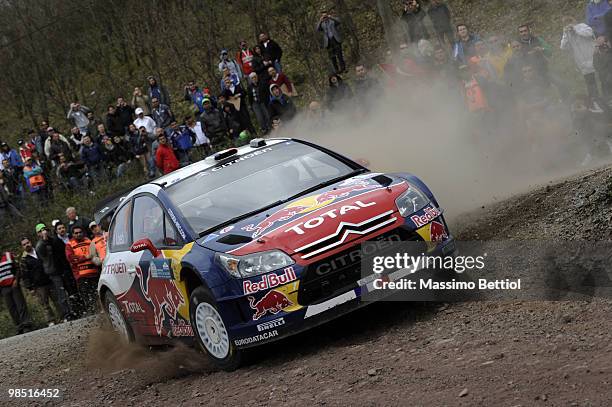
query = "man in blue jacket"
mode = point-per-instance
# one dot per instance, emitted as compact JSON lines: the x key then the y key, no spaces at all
{"x":92,"y":157}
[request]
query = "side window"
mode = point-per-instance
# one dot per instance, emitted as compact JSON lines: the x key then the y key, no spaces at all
{"x":148,"y":220}
{"x":120,"y":230}
{"x":172,"y":237}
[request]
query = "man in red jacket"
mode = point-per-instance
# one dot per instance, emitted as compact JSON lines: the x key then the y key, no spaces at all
{"x":165,"y":159}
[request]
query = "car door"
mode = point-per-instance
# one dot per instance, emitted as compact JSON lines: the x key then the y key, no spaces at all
{"x":119,"y":268}
{"x":156,"y":276}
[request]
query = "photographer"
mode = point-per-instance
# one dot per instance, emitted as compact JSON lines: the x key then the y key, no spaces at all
{"x":332,"y":40}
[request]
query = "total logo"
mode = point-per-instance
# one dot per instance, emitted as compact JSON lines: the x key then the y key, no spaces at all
{"x":331,"y":214}
{"x":310,"y":203}
{"x":268,"y":281}
{"x":430,"y":214}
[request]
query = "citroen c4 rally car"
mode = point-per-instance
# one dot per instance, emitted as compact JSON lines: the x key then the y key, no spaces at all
{"x":250,"y":245}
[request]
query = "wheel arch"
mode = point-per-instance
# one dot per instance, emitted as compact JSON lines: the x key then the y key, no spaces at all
{"x":192,"y":278}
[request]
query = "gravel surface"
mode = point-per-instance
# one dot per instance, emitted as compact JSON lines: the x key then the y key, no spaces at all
{"x":507,"y":353}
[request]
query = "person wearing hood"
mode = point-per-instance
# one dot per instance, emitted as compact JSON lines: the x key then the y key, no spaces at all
{"x":280,"y":79}
{"x":280,"y":105}
{"x":158,"y":91}
{"x":414,"y":16}
{"x":232,"y":65}
{"x":579,"y":39}
{"x":338,"y":92}
{"x":595,"y":12}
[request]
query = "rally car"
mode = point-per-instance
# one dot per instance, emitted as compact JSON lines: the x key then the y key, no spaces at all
{"x":251,"y":245}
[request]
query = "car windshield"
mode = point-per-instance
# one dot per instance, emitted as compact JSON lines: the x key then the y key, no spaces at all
{"x":253,"y":181}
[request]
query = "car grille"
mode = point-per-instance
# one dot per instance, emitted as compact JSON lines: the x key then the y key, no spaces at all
{"x":339,"y":273}
{"x":344,"y":232}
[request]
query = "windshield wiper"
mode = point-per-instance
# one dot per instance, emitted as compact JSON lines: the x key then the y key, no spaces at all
{"x":239,"y":218}
{"x":272,"y":205}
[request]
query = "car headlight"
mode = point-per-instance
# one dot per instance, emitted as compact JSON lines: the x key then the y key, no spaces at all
{"x":411,"y":200}
{"x":253,"y":264}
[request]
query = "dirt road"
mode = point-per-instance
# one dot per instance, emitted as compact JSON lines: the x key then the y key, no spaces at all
{"x":519,"y":353}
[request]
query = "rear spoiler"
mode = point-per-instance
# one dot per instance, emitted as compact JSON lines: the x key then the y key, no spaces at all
{"x":104,"y":209}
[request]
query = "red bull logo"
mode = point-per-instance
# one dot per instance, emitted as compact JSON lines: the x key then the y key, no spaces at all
{"x":273,"y":302}
{"x":430,"y":214}
{"x":437,"y":233}
{"x":164,"y":297}
{"x":309,"y":204}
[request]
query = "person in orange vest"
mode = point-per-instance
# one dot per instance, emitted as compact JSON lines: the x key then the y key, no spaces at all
{"x":97,"y":249}
{"x":85,"y":271}
{"x":35,"y":179}
{"x":474,"y":95}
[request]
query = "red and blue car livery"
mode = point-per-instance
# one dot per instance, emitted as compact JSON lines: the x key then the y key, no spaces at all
{"x":254,"y":244}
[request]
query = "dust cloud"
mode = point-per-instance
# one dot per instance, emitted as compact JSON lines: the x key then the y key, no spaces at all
{"x":465,"y":160}
{"x":108,"y":352}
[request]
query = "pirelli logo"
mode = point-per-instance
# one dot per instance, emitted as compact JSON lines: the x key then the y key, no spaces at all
{"x":270,"y":324}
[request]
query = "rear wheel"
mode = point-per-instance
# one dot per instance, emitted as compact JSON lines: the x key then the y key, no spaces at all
{"x":210,"y":331}
{"x":116,"y":318}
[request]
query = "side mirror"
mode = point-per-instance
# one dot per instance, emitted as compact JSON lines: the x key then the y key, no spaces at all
{"x":145,"y":244}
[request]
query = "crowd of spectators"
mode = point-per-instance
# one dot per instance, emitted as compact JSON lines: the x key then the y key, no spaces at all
{"x":61,"y":270}
{"x":489,"y":75}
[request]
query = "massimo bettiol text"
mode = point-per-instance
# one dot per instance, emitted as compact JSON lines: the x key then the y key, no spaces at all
{"x":404,"y":271}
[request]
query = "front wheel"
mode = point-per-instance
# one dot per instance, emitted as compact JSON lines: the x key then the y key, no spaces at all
{"x":210,"y":331}
{"x":116,"y":318}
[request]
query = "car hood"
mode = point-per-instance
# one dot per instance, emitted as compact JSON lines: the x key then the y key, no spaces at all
{"x":333,"y":215}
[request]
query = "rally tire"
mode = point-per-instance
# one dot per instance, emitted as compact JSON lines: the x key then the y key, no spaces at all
{"x":210,"y":331}
{"x":116,"y":318}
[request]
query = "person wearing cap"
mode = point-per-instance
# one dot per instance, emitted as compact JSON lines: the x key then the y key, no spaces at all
{"x":10,"y":290}
{"x":234,"y":94}
{"x":35,"y":180}
{"x":213,"y":122}
{"x":280,"y":79}
{"x":74,"y":219}
{"x":258,"y":94}
{"x":145,"y":121}
{"x":165,"y":159}
{"x":245,"y":59}
{"x":232,"y":65}
{"x":97,"y":248}
{"x":36,"y":280}
{"x":331,"y":39}
{"x":84,"y":270}
{"x":49,"y":256}
{"x":280,"y":105}
{"x":77,"y":114}
{"x":158,"y":91}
